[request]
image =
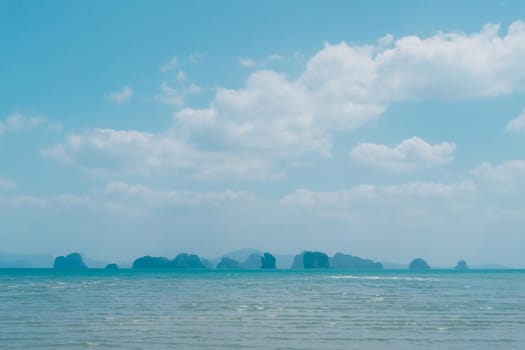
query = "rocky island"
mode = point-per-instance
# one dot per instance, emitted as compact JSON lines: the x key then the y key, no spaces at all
{"x":418,"y":265}
{"x":461,"y":266}
{"x":349,"y":262}
{"x":181,"y":261}
{"x":268,"y":261}
{"x":72,"y":261}
{"x":311,"y":260}
{"x":252,"y":262}
{"x":227,"y":263}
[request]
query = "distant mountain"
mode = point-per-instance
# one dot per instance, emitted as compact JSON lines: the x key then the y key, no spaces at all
{"x":228,"y":263}
{"x":283,"y":261}
{"x":241,"y":254}
{"x":8,"y":260}
{"x":350,"y":262}
{"x":253,"y":262}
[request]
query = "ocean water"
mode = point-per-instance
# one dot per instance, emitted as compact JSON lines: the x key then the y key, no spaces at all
{"x":332,"y":309}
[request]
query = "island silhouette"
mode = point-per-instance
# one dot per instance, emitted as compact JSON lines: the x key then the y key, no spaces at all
{"x":250,"y":260}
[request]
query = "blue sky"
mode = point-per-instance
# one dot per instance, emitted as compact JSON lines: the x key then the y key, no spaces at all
{"x":383,"y":129}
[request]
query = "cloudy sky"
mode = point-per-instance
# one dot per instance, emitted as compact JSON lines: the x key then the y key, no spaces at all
{"x":388,"y":130}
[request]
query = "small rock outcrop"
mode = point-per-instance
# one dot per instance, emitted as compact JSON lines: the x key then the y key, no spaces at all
{"x":311,"y":260}
{"x":72,"y":261}
{"x":461,"y":266}
{"x":253,"y":262}
{"x":268,"y":261}
{"x":349,"y":262}
{"x":111,"y":267}
{"x":187,"y":261}
{"x":227,"y":263}
{"x":418,"y":265}
{"x":151,"y":262}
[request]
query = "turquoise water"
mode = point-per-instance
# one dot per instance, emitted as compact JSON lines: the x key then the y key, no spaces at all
{"x":332,"y":309}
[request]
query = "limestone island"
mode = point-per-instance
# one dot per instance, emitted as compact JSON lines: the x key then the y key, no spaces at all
{"x":461,"y":266}
{"x":311,"y":260}
{"x":418,"y":265}
{"x":72,"y":261}
{"x":181,"y":261}
{"x":349,"y":262}
{"x":252,"y":262}
{"x":227,"y":263}
{"x":320,"y":260}
{"x":267,"y":261}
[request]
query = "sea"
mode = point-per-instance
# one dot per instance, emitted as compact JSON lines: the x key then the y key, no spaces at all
{"x":281,"y":309}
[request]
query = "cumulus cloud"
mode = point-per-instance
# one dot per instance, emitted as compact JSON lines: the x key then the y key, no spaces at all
{"x":410,"y":154}
{"x":507,"y":177}
{"x":517,"y":124}
{"x":345,"y":86}
{"x":443,"y":66}
{"x":121,"y":96}
{"x":117,"y":151}
{"x":274,"y":117}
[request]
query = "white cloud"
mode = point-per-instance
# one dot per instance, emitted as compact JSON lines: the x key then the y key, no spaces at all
{"x":151,"y":197}
{"x":343,"y":87}
{"x":517,"y":124}
{"x":277,"y":116}
{"x":360,"y":194}
{"x":443,"y":66}
{"x":270,"y":60}
{"x":176,"y":96}
{"x":507,"y":177}
{"x":169,"y":65}
{"x":129,"y":199}
{"x":18,"y":122}
{"x":170,"y":96}
{"x":121,"y":96}
{"x":247,"y":62}
{"x":410,"y":154}
{"x":108,"y":151}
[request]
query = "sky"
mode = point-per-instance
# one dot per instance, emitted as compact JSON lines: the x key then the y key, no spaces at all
{"x":387,"y":130}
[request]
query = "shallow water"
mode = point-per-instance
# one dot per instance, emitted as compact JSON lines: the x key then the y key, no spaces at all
{"x":331,"y":309}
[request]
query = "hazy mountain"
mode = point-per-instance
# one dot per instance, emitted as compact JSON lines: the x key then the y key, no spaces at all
{"x":241,"y":255}
{"x":26,"y":260}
